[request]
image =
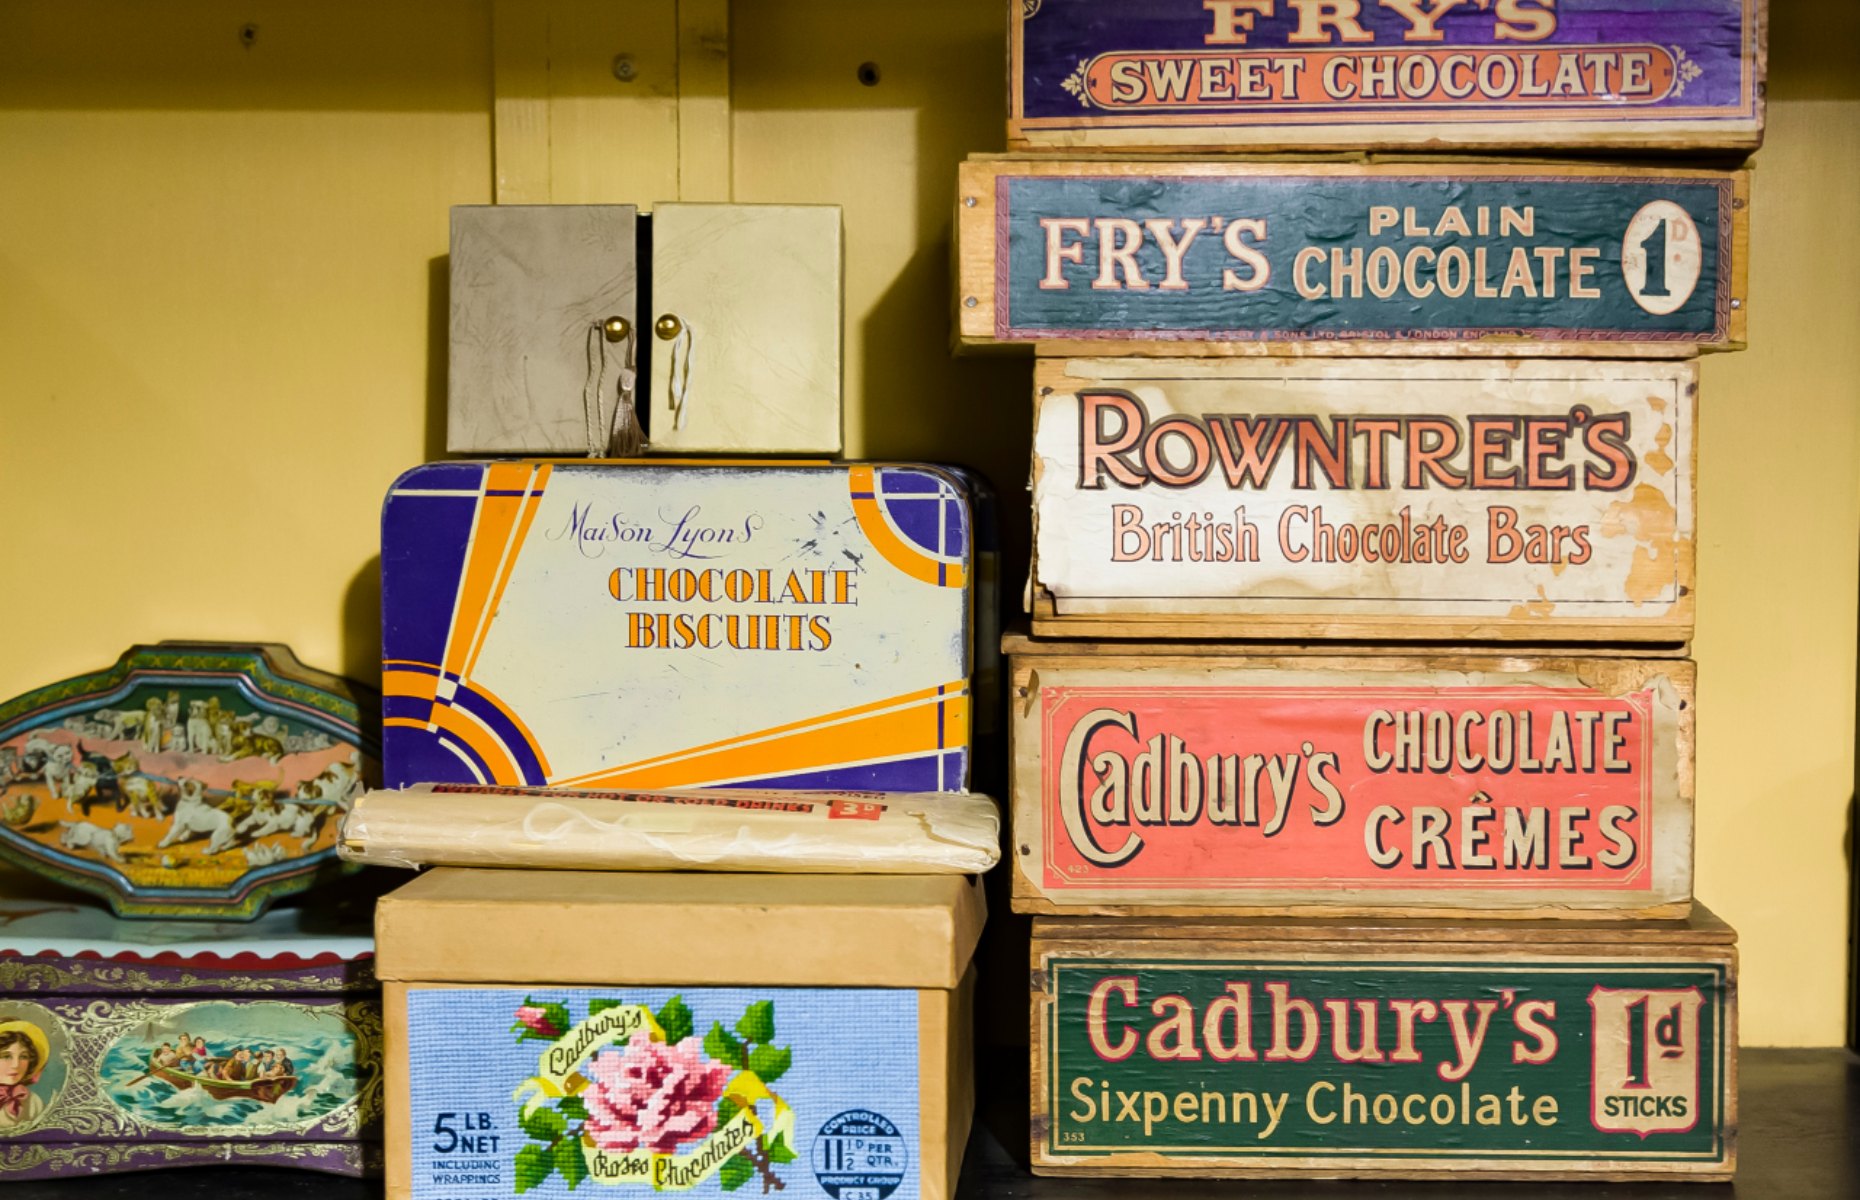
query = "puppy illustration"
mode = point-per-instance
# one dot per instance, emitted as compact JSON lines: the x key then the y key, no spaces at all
{"x":82,"y":835}
{"x":195,"y":817}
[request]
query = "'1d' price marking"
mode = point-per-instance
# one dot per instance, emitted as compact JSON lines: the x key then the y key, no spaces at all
{"x":1661,"y":257}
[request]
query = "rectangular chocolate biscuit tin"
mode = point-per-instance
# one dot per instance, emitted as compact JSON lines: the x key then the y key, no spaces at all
{"x":616,"y":625}
{"x":1536,"y":499}
{"x":1188,"y":780}
{"x":1411,"y":1050}
{"x":1396,"y":74}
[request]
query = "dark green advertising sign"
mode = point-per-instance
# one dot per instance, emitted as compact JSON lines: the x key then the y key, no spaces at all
{"x":1207,"y":252}
{"x":1481,"y":1063}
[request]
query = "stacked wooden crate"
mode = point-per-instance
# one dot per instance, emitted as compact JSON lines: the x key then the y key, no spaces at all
{"x":1353,"y":740}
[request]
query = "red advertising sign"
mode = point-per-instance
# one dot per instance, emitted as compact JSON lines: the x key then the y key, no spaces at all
{"x":1358,"y":783}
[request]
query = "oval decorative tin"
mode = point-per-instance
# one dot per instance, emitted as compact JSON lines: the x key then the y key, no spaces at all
{"x":190,"y":779}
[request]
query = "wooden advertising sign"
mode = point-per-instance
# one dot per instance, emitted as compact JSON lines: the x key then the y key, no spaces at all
{"x":1296,"y":74}
{"x":1177,"y":782}
{"x":1220,"y":257}
{"x":1546,"y":500}
{"x":1417,"y":1050}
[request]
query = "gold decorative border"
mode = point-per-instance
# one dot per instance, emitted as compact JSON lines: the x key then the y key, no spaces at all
{"x":59,"y":1158}
{"x":58,"y":976}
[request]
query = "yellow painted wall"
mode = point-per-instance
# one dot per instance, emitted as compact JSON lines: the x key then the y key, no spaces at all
{"x":1779,"y":531}
{"x":217,"y":342}
{"x":222,"y":333}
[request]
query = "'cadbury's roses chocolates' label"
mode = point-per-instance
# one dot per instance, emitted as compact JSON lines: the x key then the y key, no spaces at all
{"x":807,"y":1091}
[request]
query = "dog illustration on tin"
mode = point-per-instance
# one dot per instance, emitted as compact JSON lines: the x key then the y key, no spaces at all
{"x":186,"y":780}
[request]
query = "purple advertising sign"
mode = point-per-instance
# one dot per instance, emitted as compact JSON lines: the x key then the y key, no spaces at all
{"x":1372,"y":73}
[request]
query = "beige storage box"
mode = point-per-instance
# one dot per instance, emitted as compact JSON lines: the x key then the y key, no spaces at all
{"x":552,"y":350}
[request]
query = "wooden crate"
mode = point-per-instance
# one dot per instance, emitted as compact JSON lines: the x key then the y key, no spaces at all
{"x":1415,"y":1050}
{"x":1203,"y":781}
{"x":1543,"y":500}
{"x":1211,"y":257}
{"x":1183,"y":75}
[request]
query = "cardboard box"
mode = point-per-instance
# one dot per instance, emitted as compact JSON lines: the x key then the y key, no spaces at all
{"x":832,"y":1008}
{"x":1539,"y":500}
{"x":1411,"y":1050}
{"x":102,"y":1003}
{"x":1217,"y":257}
{"x":530,"y":370}
{"x":1198,"y":780}
{"x":639,"y":625}
{"x":551,"y":351}
{"x":1181,"y":75}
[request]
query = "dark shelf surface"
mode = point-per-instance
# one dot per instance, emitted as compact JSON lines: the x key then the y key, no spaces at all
{"x":1799,"y":1113}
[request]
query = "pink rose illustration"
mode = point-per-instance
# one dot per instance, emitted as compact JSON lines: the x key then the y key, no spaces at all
{"x":538,"y":1020}
{"x":653,"y":1096}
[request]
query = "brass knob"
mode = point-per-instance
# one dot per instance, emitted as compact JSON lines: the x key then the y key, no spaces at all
{"x":616,"y":329}
{"x":668,"y":327}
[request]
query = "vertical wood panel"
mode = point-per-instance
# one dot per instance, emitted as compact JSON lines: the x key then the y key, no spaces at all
{"x":704,"y":150}
{"x":568,"y":131}
{"x":613,"y":142}
{"x":520,"y":101}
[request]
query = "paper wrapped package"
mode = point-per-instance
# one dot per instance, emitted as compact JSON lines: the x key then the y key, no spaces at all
{"x":459,"y":825}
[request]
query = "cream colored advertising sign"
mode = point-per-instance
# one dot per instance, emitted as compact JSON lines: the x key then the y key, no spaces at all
{"x":1541,"y":500}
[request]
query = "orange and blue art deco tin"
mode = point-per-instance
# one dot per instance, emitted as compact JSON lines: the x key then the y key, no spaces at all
{"x":614,"y":625}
